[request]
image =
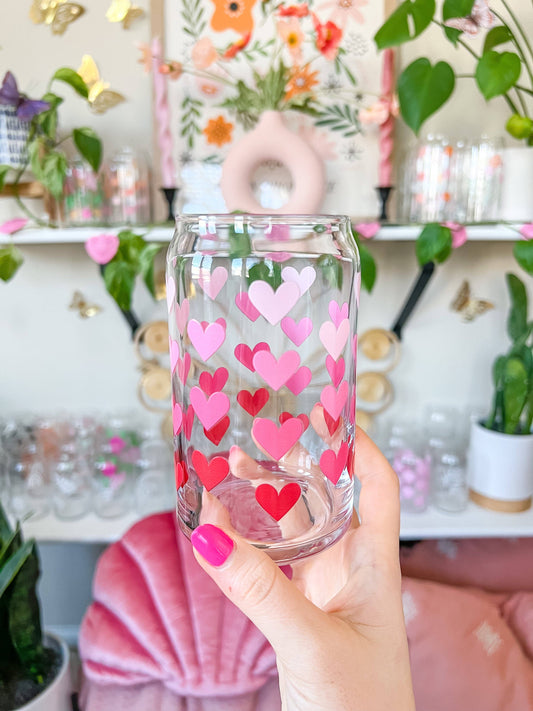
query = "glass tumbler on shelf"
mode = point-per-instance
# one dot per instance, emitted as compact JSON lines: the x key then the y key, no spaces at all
{"x":127,"y":189}
{"x":71,"y":483}
{"x":450,"y":489}
{"x":83,"y":195}
{"x":411,"y":464}
{"x":262,"y":318}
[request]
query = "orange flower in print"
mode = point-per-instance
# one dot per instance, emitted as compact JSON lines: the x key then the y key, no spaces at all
{"x":294,"y":10}
{"x":301,"y":81}
{"x":291,"y":33}
{"x":328,"y":37}
{"x":218,"y":131}
{"x":237,"y":46}
{"x":233,"y":15}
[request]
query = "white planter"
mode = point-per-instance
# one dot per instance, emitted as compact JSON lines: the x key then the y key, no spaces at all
{"x":56,"y":696}
{"x":500,"y":469}
{"x":517,"y":186}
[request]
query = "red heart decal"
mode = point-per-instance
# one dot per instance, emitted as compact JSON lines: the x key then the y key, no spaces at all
{"x":210,"y":473}
{"x":351,"y":461}
{"x":332,"y":463}
{"x":216,"y":433}
{"x":275,"y":503}
{"x":302,"y":417}
{"x":180,"y":472}
{"x":331,"y":424}
{"x":188,"y":420}
{"x":245,"y":354}
{"x":213,"y":383}
{"x":253,"y":403}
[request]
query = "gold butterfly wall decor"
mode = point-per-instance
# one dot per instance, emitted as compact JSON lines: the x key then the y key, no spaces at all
{"x":84,"y":309}
{"x":56,"y":13}
{"x":124,"y":11}
{"x":101,"y":97}
{"x":469,"y":306}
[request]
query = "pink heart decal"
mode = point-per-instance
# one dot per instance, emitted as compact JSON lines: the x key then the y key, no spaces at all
{"x":367,"y":229}
{"x":351,"y":412}
{"x":213,"y":383}
{"x":334,"y":400}
{"x":245,"y":354}
{"x":102,"y":248}
{"x":212,"y":283}
{"x":273,"y":305}
{"x":354,"y":348}
{"x":207,"y":338}
{"x":333,"y":338}
{"x":15,"y":225}
{"x":184,"y":367}
{"x":302,"y":417}
{"x":174,"y":354}
{"x":332,"y":464}
{"x":337,"y":313}
{"x":277,"y":441}
{"x":188,"y":421}
{"x":304,"y":280}
{"x":297,"y":332}
{"x":335,"y":369}
{"x":209,"y":410}
{"x":275,"y":503}
{"x":279,"y":256}
{"x":210,"y":473}
{"x":182,"y":315}
{"x":276,"y":372}
{"x":171,"y":293}
{"x":177,"y":418}
{"x":300,"y":380}
{"x":242,"y":300}
{"x":116,"y":444}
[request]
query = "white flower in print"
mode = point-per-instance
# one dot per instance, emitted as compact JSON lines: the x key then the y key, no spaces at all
{"x":489,"y":639}
{"x":447,"y":548}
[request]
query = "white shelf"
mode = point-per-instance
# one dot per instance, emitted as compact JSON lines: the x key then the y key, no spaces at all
{"x":388,"y":233}
{"x":475,"y":522}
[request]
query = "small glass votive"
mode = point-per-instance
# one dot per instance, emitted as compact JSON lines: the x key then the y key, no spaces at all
{"x":29,"y":484}
{"x":449,"y":486}
{"x":127,"y":189}
{"x":83,"y":195}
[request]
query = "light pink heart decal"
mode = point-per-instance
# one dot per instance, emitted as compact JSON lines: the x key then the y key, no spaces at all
{"x":276,"y":372}
{"x":273,"y":305}
{"x":207,"y":337}
{"x":277,"y":441}
{"x":102,"y":248}
{"x":300,"y":380}
{"x":333,"y":338}
{"x":337,"y":313}
{"x":182,"y":315}
{"x":334,"y":400}
{"x":171,"y":293}
{"x":184,"y":367}
{"x":297,"y":332}
{"x":332,"y":464}
{"x":174,"y":354}
{"x":15,"y":225}
{"x":304,"y":280}
{"x":336,"y":369}
{"x":279,"y":256}
{"x":245,"y":354}
{"x":212,"y":283}
{"x":177,"y":418}
{"x":242,"y":300}
{"x":367,"y":229}
{"x":209,"y":410}
{"x":213,"y":383}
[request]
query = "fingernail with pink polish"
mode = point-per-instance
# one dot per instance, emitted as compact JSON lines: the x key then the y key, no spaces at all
{"x":212,"y":544}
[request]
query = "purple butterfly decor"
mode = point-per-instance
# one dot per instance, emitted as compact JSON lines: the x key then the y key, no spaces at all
{"x":10,"y":96}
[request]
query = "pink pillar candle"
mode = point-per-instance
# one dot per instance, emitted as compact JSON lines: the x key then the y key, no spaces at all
{"x":386,"y":129}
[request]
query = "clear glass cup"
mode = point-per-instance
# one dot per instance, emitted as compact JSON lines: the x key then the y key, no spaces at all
{"x":262,"y":318}
{"x":83,"y":195}
{"x":449,"y":486}
{"x":411,"y":463}
{"x":29,"y":482}
{"x":127,"y":188}
{"x":71,"y":483}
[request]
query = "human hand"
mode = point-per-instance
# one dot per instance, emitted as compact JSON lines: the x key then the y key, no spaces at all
{"x":337,"y":628}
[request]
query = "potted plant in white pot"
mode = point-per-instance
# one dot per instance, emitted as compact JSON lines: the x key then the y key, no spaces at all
{"x":501,"y":446}
{"x":34,"y":668}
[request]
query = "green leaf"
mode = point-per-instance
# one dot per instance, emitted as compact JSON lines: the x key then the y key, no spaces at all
{"x":496,"y":36}
{"x":54,"y":172}
{"x":239,"y":242}
{"x":497,"y":72}
{"x":73,"y":79}
{"x":423,"y":89}
{"x":263,"y":271}
{"x":119,"y":279}
{"x":523,"y":253}
{"x":146,"y":262}
{"x":517,"y":319}
{"x":129,"y":249}
{"x":434,"y":243}
{"x":5,"y":528}
{"x":515,"y":391}
{"x":368,"y":268}
{"x":10,"y":261}
{"x":408,"y":21}
{"x":331,"y":269}
{"x":4,"y":170}
{"x":89,"y":145}
{"x":520,"y":127}
{"x":13,"y":565}
{"x":340,"y":117}
{"x":35,"y":150}
{"x":452,"y":9}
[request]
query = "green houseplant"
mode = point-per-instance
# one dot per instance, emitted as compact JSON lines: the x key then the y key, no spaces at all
{"x":501,"y":455}
{"x":30,"y":664}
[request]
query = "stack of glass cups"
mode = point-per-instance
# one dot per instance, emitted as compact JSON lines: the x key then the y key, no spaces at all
{"x":262,"y":318}
{"x":405,"y":453}
{"x":127,"y":188}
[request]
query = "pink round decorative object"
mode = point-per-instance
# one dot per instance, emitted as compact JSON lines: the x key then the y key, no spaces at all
{"x":272,"y":140}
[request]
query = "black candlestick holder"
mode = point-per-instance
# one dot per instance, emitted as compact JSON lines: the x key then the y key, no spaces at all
{"x":170,"y":195}
{"x":384,"y":194}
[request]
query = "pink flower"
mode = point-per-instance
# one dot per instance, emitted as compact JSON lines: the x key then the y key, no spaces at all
{"x":527,"y":230}
{"x":459,"y":235}
{"x":12,"y":226}
{"x":378,"y":113}
{"x":204,"y":53}
{"x":367,"y":229}
{"x":291,"y":33}
{"x":345,"y":10}
{"x":146,"y":56}
{"x":328,"y":37}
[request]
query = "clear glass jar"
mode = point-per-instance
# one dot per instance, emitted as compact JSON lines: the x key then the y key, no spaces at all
{"x":29,"y":482}
{"x":412,"y":465}
{"x":71,"y":482}
{"x":449,"y":485}
{"x":127,"y":189}
{"x":83,"y":195}
{"x":262,"y":317}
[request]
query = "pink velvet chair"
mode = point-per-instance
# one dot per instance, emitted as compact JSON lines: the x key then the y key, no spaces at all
{"x":160,"y":636}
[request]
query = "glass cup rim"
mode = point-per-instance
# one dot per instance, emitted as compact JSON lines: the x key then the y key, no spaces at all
{"x":220,"y":218}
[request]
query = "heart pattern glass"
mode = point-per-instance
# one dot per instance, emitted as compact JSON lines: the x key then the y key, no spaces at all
{"x":262,"y":318}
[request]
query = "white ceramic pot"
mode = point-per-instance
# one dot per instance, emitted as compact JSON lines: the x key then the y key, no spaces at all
{"x":517,"y":186}
{"x":56,"y":696}
{"x":500,"y":469}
